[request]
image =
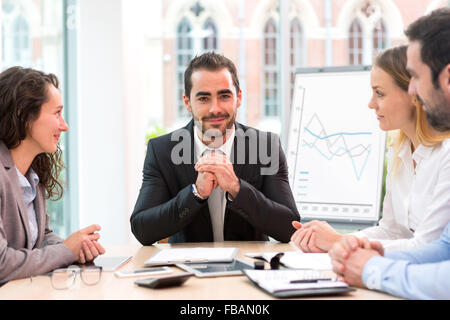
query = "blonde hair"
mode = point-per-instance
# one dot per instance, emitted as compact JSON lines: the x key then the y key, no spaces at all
{"x":393,"y":61}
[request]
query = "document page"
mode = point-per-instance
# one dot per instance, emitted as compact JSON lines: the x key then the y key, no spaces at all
{"x":300,"y":260}
{"x":191,"y":255}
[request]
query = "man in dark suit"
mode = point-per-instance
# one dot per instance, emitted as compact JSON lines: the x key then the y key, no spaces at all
{"x":215,"y":179}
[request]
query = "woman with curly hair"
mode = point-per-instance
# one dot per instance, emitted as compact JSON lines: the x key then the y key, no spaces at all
{"x":31,"y":124}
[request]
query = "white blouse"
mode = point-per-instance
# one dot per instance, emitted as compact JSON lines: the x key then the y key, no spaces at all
{"x":416,"y":206}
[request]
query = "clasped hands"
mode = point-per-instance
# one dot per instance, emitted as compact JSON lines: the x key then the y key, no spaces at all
{"x":84,"y":244}
{"x":216,"y":170}
{"x":350,"y":255}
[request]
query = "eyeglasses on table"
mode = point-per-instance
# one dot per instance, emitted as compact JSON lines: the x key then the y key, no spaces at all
{"x":65,"y":278}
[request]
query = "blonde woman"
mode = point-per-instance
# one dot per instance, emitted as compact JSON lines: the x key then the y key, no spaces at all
{"x":417,"y":200}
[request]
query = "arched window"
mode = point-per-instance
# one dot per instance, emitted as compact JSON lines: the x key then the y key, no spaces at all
{"x":210,"y":39}
{"x":270,"y":78}
{"x":355,"y":44}
{"x":184,"y":49}
{"x":380,"y":38}
{"x":21,"y":36}
{"x":296,"y":50}
{"x":16,"y":43}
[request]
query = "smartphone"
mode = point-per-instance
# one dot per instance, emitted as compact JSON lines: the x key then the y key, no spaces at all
{"x":165,"y":281}
{"x":142,"y":272}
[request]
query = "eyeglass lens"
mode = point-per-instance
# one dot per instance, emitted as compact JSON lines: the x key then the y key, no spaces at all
{"x":65,"y":278}
{"x":91,"y":276}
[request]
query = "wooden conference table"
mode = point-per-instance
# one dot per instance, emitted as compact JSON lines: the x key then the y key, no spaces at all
{"x":113,"y":288}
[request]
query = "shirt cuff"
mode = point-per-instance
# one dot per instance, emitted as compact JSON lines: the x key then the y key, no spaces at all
{"x":371,"y":275}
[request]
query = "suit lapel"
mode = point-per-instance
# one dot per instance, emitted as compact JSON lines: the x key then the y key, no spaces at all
{"x":8,"y":163}
{"x":191,"y":174}
{"x":39,"y":208}
{"x":237,"y":157}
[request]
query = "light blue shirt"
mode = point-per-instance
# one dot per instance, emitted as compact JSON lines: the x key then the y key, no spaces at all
{"x":422,"y":273}
{"x":28,"y":185}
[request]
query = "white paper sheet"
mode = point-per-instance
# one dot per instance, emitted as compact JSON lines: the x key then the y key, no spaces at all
{"x":191,"y":255}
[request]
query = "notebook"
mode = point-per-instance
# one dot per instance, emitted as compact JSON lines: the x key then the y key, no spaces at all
{"x":285,"y":283}
{"x":191,"y":255}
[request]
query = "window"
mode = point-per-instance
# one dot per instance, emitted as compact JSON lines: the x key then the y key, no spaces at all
{"x":270,"y":78}
{"x":355,"y":44}
{"x":30,"y":28}
{"x":210,"y":33}
{"x":185,"y":53}
{"x":21,"y":41}
{"x":191,"y":40}
{"x":379,"y":37}
{"x":296,"y":50}
{"x":16,"y":37}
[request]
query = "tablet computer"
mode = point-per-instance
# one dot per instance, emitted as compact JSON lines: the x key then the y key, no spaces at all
{"x":109,"y":263}
{"x":203,"y":270}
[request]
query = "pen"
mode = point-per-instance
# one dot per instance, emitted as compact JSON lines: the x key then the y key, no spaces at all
{"x":310,"y":280}
{"x":188,"y":260}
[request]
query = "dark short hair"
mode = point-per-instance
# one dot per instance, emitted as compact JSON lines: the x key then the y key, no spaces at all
{"x":433,"y":33}
{"x":210,"y":61}
{"x":23,"y":91}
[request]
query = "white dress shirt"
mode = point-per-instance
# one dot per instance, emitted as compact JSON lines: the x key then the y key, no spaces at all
{"x":416,"y":206}
{"x":28,"y":185}
{"x":216,"y":200}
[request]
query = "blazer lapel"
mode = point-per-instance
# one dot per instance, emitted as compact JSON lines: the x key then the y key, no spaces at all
{"x":191,"y":174}
{"x":39,"y":208}
{"x":237,"y":158}
{"x":10,"y":167}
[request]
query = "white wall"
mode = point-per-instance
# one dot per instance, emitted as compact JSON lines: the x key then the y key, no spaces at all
{"x":120,"y":52}
{"x":142,"y":88}
{"x":101,"y":119}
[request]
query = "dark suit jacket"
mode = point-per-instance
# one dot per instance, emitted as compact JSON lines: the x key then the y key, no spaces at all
{"x":18,"y":259}
{"x":166,"y":206}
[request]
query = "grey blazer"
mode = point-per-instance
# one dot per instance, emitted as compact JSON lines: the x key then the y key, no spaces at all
{"x":17,"y":258}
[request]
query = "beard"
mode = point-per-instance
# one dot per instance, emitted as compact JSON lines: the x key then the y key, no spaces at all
{"x":439,"y":121}
{"x":213,"y":132}
{"x":438,"y":111}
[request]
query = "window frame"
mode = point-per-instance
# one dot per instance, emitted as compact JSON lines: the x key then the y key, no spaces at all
{"x":360,"y":51}
{"x":271,"y":70}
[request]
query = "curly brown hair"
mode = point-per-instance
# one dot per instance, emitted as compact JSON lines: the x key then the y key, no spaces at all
{"x":23,"y":91}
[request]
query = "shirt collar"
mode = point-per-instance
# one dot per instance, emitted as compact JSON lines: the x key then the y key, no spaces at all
{"x":200,"y":147}
{"x":31,"y":180}
{"x":422,"y":152}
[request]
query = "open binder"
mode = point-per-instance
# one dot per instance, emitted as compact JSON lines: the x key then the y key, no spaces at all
{"x":282,"y":287}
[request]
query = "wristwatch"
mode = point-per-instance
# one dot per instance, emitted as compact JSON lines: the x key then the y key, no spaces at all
{"x":197,"y":196}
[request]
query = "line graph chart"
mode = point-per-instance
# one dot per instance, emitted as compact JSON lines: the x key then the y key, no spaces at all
{"x":335,"y":149}
{"x":337,"y":145}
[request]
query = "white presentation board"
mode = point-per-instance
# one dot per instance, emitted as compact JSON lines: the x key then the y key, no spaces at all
{"x":335,"y":148}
